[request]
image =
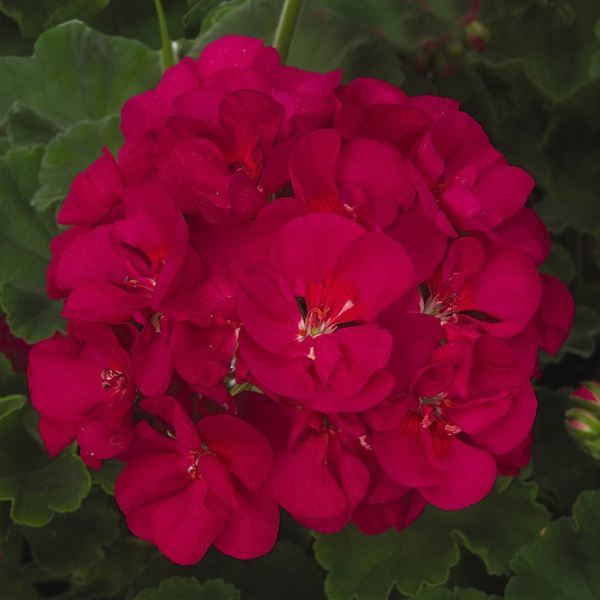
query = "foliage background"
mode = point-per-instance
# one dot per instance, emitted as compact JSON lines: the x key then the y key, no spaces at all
{"x":536,"y":91}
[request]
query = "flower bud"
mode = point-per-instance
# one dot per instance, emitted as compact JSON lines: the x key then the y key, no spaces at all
{"x":478,"y":35}
{"x":584,"y":426}
{"x":588,"y":396}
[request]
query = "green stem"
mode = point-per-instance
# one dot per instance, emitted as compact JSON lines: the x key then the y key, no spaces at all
{"x":168,"y":60}
{"x":285,"y":27}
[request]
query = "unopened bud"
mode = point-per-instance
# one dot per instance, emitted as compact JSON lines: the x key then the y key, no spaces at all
{"x":588,"y":396}
{"x":478,"y":35}
{"x":584,"y":426}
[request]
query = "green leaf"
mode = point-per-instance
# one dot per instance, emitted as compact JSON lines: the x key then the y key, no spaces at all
{"x":137,"y":19}
{"x":500,"y":524}
{"x":494,"y":529}
{"x":559,"y":263}
{"x":367,"y":567}
{"x":190,"y":589}
{"x":26,"y":127}
{"x":10,"y":382}
{"x":561,"y":469}
{"x":24,"y":255}
{"x":192,"y":20}
{"x":34,"y":16}
{"x":77,"y":74}
{"x":16,"y":580}
{"x":582,"y":336}
{"x":106,"y":475}
{"x":254,"y":578}
{"x":326,"y":42}
{"x":429,"y":593}
{"x":9,"y":404}
{"x":74,"y":540}
{"x":112,"y":576}
{"x":31,"y":315}
{"x":71,"y":153}
{"x":553,"y":41}
{"x":13,"y":42}
{"x":572,"y":192}
{"x":36,"y":485}
{"x":563,"y":561}
{"x":406,"y":25}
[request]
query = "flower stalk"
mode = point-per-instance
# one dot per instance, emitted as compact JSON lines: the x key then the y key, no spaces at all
{"x":286,"y":27}
{"x":166,"y":52}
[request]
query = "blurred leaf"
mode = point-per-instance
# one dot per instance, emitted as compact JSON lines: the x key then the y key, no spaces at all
{"x":553,"y":41}
{"x":407,"y":25}
{"x":113,"y":574}
{"x":582,"y":337}
{"x":500,"y":524}
{"x":24,"y":254}
{"x":34,"y":16}
{"x":77,"y":74}
{"x":257,"y":579}
{"x":13,"y":42}
{"x":323,"y":41}
{"x":559,"y":263}
{"x":74,"y":540}
{"x":31,"y":315}
{"x":9,"y":404}
{"x":16,"y":580}
{"x":37,"y":485}
{"x":137,"y":19}
{"x":429,"y":593}
{"x":573,"y":191}
{"x":563,"y":561}
{"x":26,"y":127}
{"x":10,"y":382}
{"x":561,"y":469}
{"x":369,"y":566}
{"x":72,"y":152}
{"x":199,"y":9}
{"x":190,"y":589}
{"x":106,"y":475}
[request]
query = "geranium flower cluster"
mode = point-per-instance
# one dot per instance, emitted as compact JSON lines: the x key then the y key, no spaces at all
{"x":288,"y":292}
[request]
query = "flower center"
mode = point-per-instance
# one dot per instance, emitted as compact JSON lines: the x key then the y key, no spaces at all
{"x":315,"y":323}
{"x":114,"y":380}
{"x":437,"y":189}
{"x":430,"y":410}
{"x":193,"y":465}
{"x":444,"y":308}
{"x":321,"y":319}
{"x":141,"y":284}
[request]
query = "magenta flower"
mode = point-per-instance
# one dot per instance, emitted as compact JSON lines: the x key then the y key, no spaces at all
{"x":308,"y":317}
{"x":467,"y":404}
{"x":202,"y":488}
{"x":363,"y":259}
{"x":83,"y":388}
{"x":119,"y":271}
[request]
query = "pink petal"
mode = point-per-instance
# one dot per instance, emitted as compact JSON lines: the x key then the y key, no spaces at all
{"x":403,"y":454}
{"x":377,"y":269}
{"x":316,"y":187}
{"x":308,"y":247}
{"x":303,"y":485}
{"x":255,"y":532}
{"x":241,"y":448}
{"x":194,"y":174}
{"x":183,"y":528}
{"x":379,"y":171}
{"x":202,"y":355}
{"x":470,"y":476}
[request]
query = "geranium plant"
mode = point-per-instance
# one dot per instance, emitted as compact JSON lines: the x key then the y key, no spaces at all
{"x":290,"y":322}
